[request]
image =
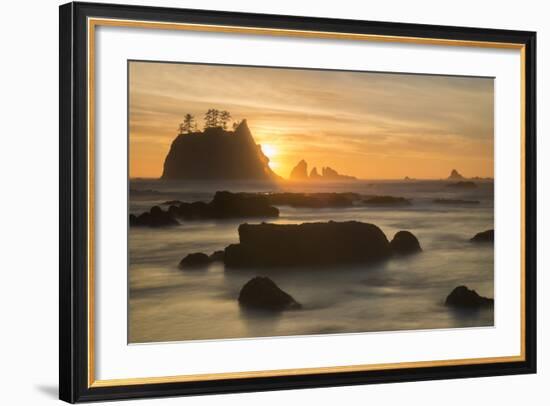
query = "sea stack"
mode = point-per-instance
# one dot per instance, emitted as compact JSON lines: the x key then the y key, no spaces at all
{"x":299,"y":172}
{"x":217,"y":154}
{"x":455,"y":175}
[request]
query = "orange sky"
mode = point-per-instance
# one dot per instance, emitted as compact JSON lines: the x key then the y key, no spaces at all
{"x":369,"y":125}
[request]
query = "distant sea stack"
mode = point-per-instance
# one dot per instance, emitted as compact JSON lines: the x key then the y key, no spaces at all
{"x":455,"y":175}
{"x":217,"y":154}
{"x":299,"y":172}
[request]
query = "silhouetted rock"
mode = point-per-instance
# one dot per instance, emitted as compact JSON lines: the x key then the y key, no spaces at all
{"x":387,"y":200}
{"x":217,"y":154}
{"x":195,"y":260}
{"x":455,"y":175}
{"x":262,"y":293}
{"x":330,"y":174}
{"x":155,"y":217}
{"x":240,"y":205}
{"x":462,"y":297}
{"x":314,"y":174}
{"x":317,"y":244}
{"x":404,"y":242}
{"x":313,"y":200}
{"x":484,"y":236}
{"x":299,"y":172}
{"x":224,"y":205}
{"x":463,"y":185}
{"x":217,"y":256}
{"x":455,"y":201}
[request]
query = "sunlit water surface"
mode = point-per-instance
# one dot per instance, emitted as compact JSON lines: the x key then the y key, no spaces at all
{"x":406,"y":293}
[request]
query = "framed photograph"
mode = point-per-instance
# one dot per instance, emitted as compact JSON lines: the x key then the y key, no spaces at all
{"x":257,"y":202}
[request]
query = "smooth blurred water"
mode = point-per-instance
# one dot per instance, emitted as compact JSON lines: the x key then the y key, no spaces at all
{"x":405,"y":293}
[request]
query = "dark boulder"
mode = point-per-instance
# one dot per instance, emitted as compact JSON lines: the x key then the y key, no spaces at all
{"x":241,"y":205}
{"x":195,"y":261}
{"x":386,"y":200}
{"x":217,"y":256}
{"x":155,"y":217}
{"x":404,"y":242}
{"x":313,"y":244}
{"x":484,"y":236}
{"x":462,"y":297}
{"x":262,"y":293}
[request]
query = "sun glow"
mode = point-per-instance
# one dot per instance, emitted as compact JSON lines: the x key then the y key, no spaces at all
{"x":270,"y":152}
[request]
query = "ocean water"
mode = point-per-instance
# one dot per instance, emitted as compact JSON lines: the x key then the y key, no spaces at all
{"x":402,"y":293}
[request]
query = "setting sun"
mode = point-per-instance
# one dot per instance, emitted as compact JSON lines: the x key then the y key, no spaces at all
{"x":270,"y":152}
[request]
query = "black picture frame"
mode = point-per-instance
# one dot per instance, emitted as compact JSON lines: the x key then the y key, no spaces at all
{"x":73,"y":284}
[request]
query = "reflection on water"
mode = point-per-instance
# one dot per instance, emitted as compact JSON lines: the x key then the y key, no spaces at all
{"x":168,"y":304}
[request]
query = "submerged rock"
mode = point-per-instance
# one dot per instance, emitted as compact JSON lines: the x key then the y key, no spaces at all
{"x":195,"y":260}
{"x":155,"y":217}
{"x":484,"y":236}
{"x":462,"y":297}
{"x":316,"y":244}
{"x":387,"y":200}
{"x":404,"y":242}
{"x":262,"y":293}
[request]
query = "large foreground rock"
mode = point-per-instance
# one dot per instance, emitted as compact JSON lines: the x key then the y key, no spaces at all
{"x":404,"y":242}
{"x":462,"y":297}
{"x":313,"y":244}
{"x":262,"y":293}
{"x":484,"y":236}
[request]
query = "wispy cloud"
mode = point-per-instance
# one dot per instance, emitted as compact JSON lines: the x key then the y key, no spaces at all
{"x":371,"y":125}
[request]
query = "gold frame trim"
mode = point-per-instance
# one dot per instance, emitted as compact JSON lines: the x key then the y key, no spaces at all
{"x":94,"y":22}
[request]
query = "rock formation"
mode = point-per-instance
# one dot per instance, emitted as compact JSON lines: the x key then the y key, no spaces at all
{"x":455,"y":175}
{"x":195,"y":261}
{"x":224,"y":205}
{"x":155,"y":217}
{"x":484,"y":236}
{"x":262,"y":293}
{"x":217,"y":154}
{"x":462,"y":297}
{"x":313,"y":244}
{"x":314,"y":174}
{"x":404,"y":242}
{"x":299,"y":172}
